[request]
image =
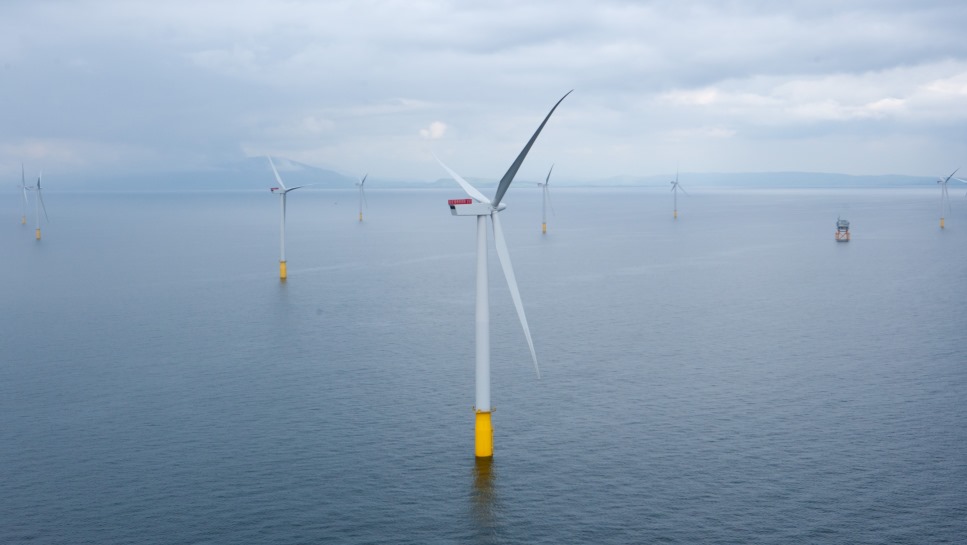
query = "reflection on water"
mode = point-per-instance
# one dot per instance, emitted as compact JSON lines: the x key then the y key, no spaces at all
{"x":484,"y":507}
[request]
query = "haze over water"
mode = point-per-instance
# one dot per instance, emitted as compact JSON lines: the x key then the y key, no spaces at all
{"x":735,"y":376}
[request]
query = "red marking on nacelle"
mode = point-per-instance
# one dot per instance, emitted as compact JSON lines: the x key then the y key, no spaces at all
{"x":452,"y":202}
{"x":273,"y":189}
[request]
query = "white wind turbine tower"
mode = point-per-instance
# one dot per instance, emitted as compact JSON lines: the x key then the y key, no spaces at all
{"x":282,"y":193}
{"x":545,"y":199}
{"x":675,"y":188}
{"x":362,"y":195}
{"x":23,"y":189}
{"x":480,"y":206}
{"x":40,"y":204}
{"x":944,"y":197}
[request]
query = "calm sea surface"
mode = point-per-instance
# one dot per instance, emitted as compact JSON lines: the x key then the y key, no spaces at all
{"x":735,"y":376}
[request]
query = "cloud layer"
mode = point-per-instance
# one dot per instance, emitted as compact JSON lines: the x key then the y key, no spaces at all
{"x":860,"y":87}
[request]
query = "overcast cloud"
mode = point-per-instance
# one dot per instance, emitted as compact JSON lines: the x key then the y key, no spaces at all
{"x":858,"y":87}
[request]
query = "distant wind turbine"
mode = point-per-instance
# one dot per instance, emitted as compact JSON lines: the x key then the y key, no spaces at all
{"x":362,"y":195}
{"x":545,"y":199}
{"x":282,"y":193}
{"x":480,"y":206}
{"x":40,"y":204}
{"x":675,"y":187}
{"x":944,"y":196}
{"x":23,"y":189}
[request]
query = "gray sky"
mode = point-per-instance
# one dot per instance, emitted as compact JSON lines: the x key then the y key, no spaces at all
{"x":859,"y":87}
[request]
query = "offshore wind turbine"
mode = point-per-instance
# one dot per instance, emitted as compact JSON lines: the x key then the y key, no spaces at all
{"x":675,"y":187}
{"x":480,"y":206}
{"x":23,"y":189}
{"x":545,"y":199}
{"x":944,"y":196}
{"x":40,"y":204}
{"x":362,"y":196}
{"x":283,"y":191}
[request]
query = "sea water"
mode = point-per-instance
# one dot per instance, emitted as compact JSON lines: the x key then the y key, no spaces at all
{"x":731,"y":376}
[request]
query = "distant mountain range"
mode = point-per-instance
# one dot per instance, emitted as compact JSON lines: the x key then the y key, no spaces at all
{"x":254,"y":173}
{"x":770,"y":179}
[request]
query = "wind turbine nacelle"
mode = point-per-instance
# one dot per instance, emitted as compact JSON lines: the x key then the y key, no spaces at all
{"x":468,"y":207}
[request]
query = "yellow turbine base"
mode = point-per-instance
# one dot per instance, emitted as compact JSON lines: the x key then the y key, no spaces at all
{"x":38,"y":233}
{"x":543,"y":228}
{"x":360,"y":216}
{"x":484,"y":435}
{"x":941,"y":223}
{"x":282,"y":274}
{"x":676,"y":214}
{"x":23,"y":220}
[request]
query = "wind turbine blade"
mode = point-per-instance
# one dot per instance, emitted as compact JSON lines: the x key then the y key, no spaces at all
{"x":683,"y":189}
{"x":515,"y":166}
{"x":42,"y":205}
{"x":947,"y":179}
{"x":296,"y":187}
{"x":469,"y":189}
{"x":504,"y":257}
{"x":363,"y":181}
{"x":365,"y":202}
{"x":277,"y":177}
{"x":40,"y":197}
{"x":549,"y":203}
{"x":548,"y":179}
{"x":961,"y":181}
